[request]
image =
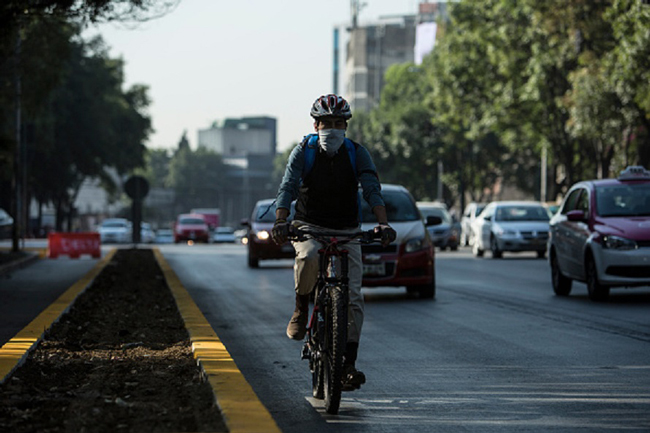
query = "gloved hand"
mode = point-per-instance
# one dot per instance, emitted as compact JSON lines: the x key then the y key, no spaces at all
{"x":280,"y":231}
{"x":388,"y":234}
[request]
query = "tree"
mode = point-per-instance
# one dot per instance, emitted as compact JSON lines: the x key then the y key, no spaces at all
{"x":88,"y":125}
{"x":157,"y":167}
{"x":610,"y":96}
{"x":197,"y":178}
{"x":20,"y":51}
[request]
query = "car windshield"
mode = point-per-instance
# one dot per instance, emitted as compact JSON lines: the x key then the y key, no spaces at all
{"x":225,"y":230}
{"x":436,"y":211}
{"x":193,"y":221}
{"x":114,"y":224}
{"x":399,"y":207}
{"x":479,"y":208}
{"x":266,"y":212}
{"x":623,"y":200}
{"x":522,"y":213}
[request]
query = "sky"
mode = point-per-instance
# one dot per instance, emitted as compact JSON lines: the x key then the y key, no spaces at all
{"x":212,"y":59}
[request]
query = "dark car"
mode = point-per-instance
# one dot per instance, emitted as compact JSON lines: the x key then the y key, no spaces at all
{"x":259,"y":241}
{"x":601,"y":235}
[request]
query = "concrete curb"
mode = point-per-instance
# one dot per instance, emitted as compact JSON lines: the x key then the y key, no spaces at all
{"x":242,"y":410}
{"x":20,"y":263}
{"x":15,"y":351}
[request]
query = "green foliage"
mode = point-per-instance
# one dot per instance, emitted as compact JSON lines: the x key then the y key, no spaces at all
{"x":89,"y":122}
{"x":399,"y":134}
{"x":157,"y":162}
{"x":197,"y":178}
{"x":279,"y":166}
{"x":508,"y":80}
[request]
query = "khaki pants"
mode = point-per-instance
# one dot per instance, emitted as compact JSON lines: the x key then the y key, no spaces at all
{"x":306,"y":274}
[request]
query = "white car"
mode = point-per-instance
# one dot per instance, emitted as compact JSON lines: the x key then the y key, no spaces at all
{"x":224,"y":235}
{"x":115,"y":230}
{"x":472,"y":210}
{"x":6,"y":224}
{"x":164,"y":236}
{"x":147,"y":235}
{"x":511,"y":226}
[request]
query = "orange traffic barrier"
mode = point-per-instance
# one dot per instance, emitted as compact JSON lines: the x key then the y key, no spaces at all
{"x":73,"y":245}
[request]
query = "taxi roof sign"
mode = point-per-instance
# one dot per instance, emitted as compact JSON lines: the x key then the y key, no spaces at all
{"x":634,"y":172}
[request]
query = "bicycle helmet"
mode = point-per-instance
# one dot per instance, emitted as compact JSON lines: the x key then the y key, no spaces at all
{"x":331,"y":105}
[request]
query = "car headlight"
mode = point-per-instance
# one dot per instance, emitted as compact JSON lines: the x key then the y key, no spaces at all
{"x":263,"y":235}
{"x":415,"y":244}
{"x":505,"y":232}
{"x":619,"y":243}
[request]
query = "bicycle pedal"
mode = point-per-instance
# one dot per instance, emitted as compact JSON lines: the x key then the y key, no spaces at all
{"x":305,"y":353}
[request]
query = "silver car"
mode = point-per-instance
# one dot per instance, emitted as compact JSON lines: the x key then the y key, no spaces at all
{"x":444,"y":235}
{"x":115,"y":230}
{"x":511,"y":226}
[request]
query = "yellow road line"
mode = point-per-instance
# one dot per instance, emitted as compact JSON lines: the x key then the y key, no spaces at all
{"x":241,"y":408}
{"x":15,"y":351}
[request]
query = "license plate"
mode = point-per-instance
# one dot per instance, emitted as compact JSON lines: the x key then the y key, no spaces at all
{"x":377,"y":270}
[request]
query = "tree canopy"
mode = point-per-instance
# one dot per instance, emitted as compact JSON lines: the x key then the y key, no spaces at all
{"x":509,"y":81}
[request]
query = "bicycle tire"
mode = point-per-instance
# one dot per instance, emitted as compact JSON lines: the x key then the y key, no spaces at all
{"x":317,"y":370}
{"x":336,"y":323}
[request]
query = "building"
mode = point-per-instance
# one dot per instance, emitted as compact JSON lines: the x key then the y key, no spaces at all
{"x":248,"y":147}
{"x":240,"y":137}
{"x":373,"y":48}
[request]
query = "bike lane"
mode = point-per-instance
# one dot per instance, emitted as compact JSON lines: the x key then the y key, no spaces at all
{"x":26,"y":292}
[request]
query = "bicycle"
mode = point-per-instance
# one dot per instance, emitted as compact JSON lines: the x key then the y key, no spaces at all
{"x":326,"y":336}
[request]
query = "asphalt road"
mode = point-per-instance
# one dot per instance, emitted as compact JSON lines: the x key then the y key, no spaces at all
{"x":495,"y":352}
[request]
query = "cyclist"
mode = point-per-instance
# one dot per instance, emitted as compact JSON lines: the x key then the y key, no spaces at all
{"x":327,"y":199}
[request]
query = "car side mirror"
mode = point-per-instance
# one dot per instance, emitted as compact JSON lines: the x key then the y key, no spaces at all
{"x":433,"y":220}
{"x":576,"y":215}
{"x":245,"y":222}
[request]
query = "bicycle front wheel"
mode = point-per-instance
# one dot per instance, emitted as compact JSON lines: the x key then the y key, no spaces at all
{"x":335,"y":340}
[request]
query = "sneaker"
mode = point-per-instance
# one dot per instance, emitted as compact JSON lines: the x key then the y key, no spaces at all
{"x":297,"y":325}
{"x":352,"y":378}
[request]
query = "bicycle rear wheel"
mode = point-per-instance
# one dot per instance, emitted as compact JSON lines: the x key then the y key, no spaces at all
{"x":336,"y":324}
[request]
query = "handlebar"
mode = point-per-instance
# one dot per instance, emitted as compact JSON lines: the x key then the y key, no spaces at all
{"x":300,"y":235}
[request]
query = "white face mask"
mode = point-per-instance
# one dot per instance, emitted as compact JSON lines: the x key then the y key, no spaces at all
{"x":330,"y":140}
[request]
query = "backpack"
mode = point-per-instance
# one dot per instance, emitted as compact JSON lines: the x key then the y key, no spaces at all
{"x":310,"y":143}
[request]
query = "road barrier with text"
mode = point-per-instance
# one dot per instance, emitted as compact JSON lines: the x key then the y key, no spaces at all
{"x":73,"y":245}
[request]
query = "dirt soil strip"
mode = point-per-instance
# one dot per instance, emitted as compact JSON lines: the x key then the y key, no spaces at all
{"x":118,"y":360}
{"x":15,"y":351}
{"x":240,"y":406}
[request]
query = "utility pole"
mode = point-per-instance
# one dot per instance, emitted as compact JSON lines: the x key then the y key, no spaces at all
{"x":335,"y":83}
{"x":543,"y":181}
{"x":16,"y":181}
{"x":440,"y":190}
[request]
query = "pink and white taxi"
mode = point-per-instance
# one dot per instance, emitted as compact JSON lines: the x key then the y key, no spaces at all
{"x":601,"y":235}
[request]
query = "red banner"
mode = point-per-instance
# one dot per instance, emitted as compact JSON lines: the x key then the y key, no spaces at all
{"x":73,"y":245}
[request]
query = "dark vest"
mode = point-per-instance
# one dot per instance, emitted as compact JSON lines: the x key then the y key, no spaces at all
{"x":328,"y":195}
